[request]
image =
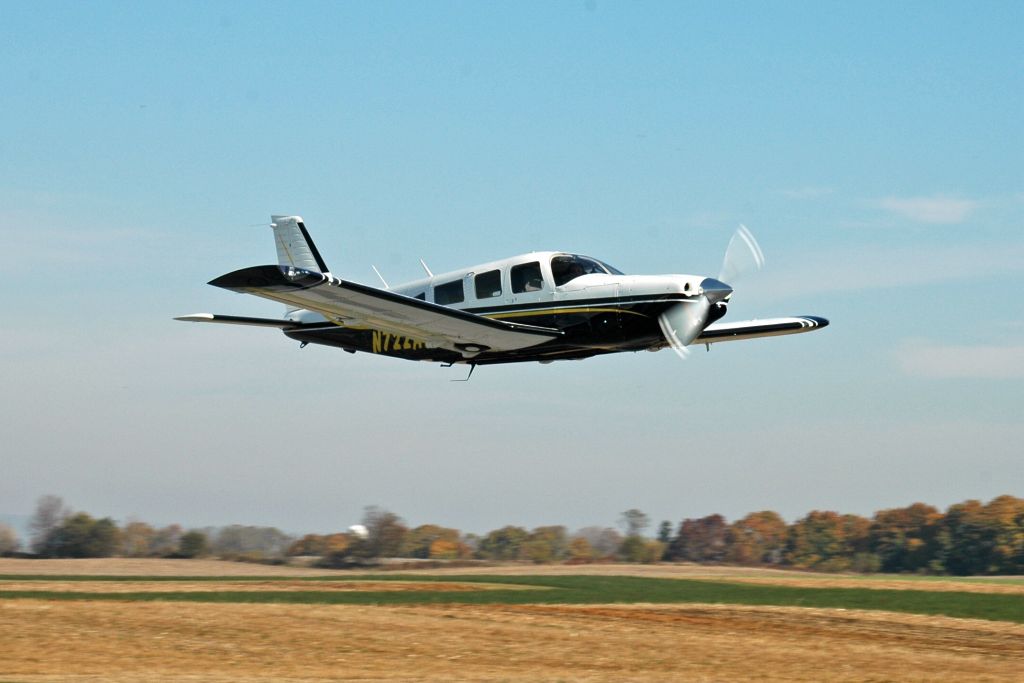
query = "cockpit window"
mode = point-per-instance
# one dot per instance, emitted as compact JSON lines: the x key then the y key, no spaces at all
{"x":568,"y":267}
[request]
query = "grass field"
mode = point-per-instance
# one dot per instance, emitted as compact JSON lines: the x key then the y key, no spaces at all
{"x":510,"y":624}
{"x":568,"y":590}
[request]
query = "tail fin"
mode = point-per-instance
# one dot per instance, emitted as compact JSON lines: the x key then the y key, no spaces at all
{"x":294,"y":246}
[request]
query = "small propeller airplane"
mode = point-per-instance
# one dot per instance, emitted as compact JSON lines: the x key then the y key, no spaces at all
{"x":543,"y":306}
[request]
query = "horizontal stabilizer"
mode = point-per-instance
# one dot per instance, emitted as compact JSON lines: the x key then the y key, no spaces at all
{"x":238,"y":320}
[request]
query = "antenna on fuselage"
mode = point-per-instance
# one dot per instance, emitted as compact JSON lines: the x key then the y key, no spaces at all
{"x":424,"y":264}
{"x":386,"y":285}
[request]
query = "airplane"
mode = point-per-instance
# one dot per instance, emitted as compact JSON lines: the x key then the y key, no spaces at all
{"x":542,"y":306}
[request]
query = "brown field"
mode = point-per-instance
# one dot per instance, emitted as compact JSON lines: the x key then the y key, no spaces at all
{"x":280,"y":586}
{"x":119,"y":566}
{"x":166,"y":642}
{"x":194,"y":642}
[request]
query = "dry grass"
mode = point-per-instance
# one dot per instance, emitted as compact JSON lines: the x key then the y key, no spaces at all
{"x":121,"y":566}
{"x":214,"y":643}
{"x":277,"y":586}
{"x":777,"y":577}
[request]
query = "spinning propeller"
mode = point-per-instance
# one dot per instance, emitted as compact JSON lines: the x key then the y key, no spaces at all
{"x":683,"y":322}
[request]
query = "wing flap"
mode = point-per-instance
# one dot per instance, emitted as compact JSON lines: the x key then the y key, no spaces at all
{"x":752,"y":329}
{"x":355,"y":305}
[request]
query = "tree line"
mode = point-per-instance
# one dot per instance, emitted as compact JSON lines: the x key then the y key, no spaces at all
{"x":968,"y":538}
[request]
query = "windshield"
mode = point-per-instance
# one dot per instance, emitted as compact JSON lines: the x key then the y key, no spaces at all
{"x":568,"y":267}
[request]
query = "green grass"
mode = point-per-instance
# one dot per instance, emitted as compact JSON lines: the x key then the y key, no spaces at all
{"x":578,"y":590}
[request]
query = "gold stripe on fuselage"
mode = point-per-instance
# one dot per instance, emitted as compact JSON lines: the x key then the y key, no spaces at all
{"x":560,"y":311}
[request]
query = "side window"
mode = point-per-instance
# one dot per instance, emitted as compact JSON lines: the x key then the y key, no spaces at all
{"x":526,"y":277}
{"x":422,"y":296}
{"x":488,"y":284}
{"x":449,"y":293}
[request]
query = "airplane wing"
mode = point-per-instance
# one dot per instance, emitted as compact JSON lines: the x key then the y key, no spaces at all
{"x":751,"y":329}
{"x":358,"y":306}
{"x":238,"y":320}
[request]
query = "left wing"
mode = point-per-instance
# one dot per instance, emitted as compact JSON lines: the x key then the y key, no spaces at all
{"x":751,"y":329}
{"x":354,"y":305}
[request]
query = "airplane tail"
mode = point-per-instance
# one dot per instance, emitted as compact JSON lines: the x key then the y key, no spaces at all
{"x":295,"y":247}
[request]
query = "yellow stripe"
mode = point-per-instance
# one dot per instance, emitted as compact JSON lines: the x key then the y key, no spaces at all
{"x":557,"y":311}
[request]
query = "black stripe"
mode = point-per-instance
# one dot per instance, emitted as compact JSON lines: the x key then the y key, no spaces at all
{"x":533,"y":308}
{"x":312,"y":247}
{"x":569,"y":303}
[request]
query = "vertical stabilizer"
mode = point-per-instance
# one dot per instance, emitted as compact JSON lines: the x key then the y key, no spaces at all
{"x":294,"y":246}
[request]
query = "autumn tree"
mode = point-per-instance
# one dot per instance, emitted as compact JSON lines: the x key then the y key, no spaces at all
{"x":137,"y":539}
{"x":50,"y":513}
{"x":503,"y":544}
{"x":545,"y":544}
{"x":633,"y":522}
{"x":337,"y":542}
{"x":856,"y":534}
{"x":447,"y":549}
{"x":1005,"y":515}
{"x":193,"y":544}
{"x":580,"y":550}
{"x":419,"y":541}
{"x":385,"y":533}
{"x":82,"y":536}
{"x":310,"y":544}
{"x":640,"y":549}
{"x":758,"y":538}
{"x":603,"y":541}
{"x":166,"y":540}
{"x":905,"y":539}
{"x":700,"y":540}
{"x":829,"y":541}
{"x":320,"y":545}
{"x":983,"y":539}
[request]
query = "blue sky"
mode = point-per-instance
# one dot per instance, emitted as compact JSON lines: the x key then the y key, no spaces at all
{"x":875,"y":149}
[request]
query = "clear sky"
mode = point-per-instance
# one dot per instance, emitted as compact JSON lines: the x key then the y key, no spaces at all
{"x":875,"y":148}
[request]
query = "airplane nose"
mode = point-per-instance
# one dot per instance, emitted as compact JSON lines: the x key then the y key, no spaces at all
{"x":715,"y":290}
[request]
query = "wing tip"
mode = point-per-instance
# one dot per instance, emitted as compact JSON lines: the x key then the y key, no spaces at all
{"x":817,"y":320}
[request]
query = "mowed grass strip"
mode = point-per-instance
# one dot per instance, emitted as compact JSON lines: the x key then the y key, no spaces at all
{"x":594,"y":590}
